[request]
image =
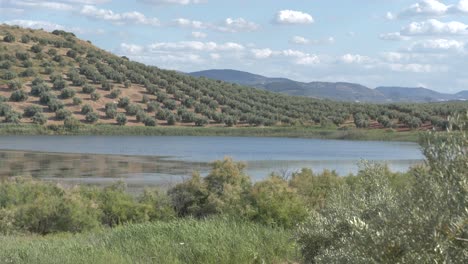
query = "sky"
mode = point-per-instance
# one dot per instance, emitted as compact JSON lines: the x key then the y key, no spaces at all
{"x":409,"y":43}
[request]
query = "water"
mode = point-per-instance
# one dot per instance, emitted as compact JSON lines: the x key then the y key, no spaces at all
{"x":165,"y":160}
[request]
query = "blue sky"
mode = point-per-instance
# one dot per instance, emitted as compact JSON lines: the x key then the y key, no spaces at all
{"x":372,"y":42}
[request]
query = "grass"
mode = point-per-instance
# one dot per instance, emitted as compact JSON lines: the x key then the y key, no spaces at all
{"x":216,"y":240}
{"x":293,"y":132}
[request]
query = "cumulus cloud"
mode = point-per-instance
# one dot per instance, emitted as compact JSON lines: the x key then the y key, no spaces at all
{"x":430,"y":8}
{"x":231,"y":25}
{"x":131,"y":49}
{"x":49,"y":26}
{"x":299,"y":57}
{"x":196,"y":46}
{"x":172,"y":2}
{"x":198,"y":35}
{"x":304,"y":41}
{"x":355,"y":59}
{"x":118,"y":18}
{"x":394,"y":36}
{"x":435,"y":27}
{"x":291,"y":17}
{"x":437,"y":45}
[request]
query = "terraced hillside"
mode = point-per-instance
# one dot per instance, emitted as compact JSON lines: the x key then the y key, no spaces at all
{"x":56,"y":78}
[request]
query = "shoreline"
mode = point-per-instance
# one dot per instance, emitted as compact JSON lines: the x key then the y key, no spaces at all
{"x":284,"y":132}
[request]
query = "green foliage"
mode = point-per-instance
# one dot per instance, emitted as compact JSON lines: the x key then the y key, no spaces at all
{"x":36,"y":48}
{"x":115,"y":93}
{"x":277,"y":204}
{"x":9,"y":38}
{"x":62,"y":114}
{"x":67,"y":93}
{"x":31,"y":110}
{"x":121,"y":119}
{"x":39,"y":119}
{"x":18,"y":96}
{"x":132,"y":109}
{"x":95,"y":96}
{"x":54,"y":105}
{"x":88,"y":89}
{"x":12,"y":117}
{"x":124,"y":102}
{"x":85,"y":109}
{"x":92,"y":117}
{"x":77,"y":101}
{"x":71,"y":123}
{"x":9,"y":75}
{"x":370,"y":221}
{"x":15,"y":85}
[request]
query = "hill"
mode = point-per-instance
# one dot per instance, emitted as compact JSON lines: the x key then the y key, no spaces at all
{"x":56,"y":78}
{"x":340,"y":91}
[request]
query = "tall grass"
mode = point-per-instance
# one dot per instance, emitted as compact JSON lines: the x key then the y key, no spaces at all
{"x":218,"y":240}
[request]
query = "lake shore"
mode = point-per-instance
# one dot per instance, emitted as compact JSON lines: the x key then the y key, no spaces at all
{"x":287,"y":132}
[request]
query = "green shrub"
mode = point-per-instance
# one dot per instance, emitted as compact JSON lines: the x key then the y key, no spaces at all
{"x":61,"y":114}
{"x":71,"y":123}
{"x":67,"y":93}
{"x":59,"y":84}
{"x":9,"y":38}
{"x":92,"y":117}
{"x":124,"y":102}
{"x":12,"y":117}
{"x":25,"y":39}
{"x":9,"y":75}
{"x":31,"y":110}
{"x":201,"y":121}
{"x":148,"y":121}
{"x":95,"y":96}
{"x":77,"y":101}
{"x":115,"y":93}
{"x":86,"y":109}
{"x":132,"y":109}
{"x":121,"y":119}
{"x":54,"y":105}
{"x":4,"y":109}
{"x":18,"y":96}
{"x":88,"y":89}
{"x":39,"y":119}
{"x":152,"y":107}
{"x":15,"y":85}
{"x":46,"y":96}
{"x":29,"y":72}
{"x":36,"y":48}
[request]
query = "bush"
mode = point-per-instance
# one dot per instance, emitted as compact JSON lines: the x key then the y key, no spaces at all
{"x":46,"y":97}
{"x":9,"y":38}
{"x":148,"y":121}
{"x":62,"y":114}
{"x":92,"y":117}
{"x":28,"y":72}
{"x":95,"y":96}
{"x":132,"y":109}
{"x":18,"y":96}
{"x":124,"y":102}
{"x":77,"y":101}
{"x":115,"y":93}
{"x":39,"y":119}
{"x":36,"y":48}
{"x":25,"y":39}
{"x":15,"y":85}
{"x":152,"y":107}
{"x":54,"y":105}
{"x":4,"y":109}
{"x":67,"y":93}
{"x":86,"y":109}
{"x":88,"y":89}
{"x":9,"y":75}
{"x":31,"y":110}
{"x":121,"y":119}
{"x":12,"y":117}
{"x":171,"y":119}
{"x":277,"y":204}
{"x":107,"y":86}
{"x":111,"y":113}
{"x":59,"y":84}
{"x":72,"y":124}
{"x":201,"y":121}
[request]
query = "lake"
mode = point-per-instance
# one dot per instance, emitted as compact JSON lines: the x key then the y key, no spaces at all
{"x":143,"y":161}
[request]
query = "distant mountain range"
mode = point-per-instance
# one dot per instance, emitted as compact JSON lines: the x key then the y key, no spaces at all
{"x":340,"y":91}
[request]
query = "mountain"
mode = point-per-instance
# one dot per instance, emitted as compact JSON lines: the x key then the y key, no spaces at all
{"x":340,"y":91}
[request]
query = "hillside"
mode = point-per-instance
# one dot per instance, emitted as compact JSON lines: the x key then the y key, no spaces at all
{"x":56,"y":78}
{"x":340,"y":91}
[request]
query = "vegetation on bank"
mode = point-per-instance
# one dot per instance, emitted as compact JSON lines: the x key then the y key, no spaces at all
{"x":283,"y":131}
{"x":374,"y":217}
{"x":216,"y":241}
{"x":56,"y":78}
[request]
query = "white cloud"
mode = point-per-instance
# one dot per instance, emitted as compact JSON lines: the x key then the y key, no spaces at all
{"x":35,"y":24}
{"x":299,"y":57}
{"x":430,"y":8}
{"x":435,"y":27}
{"x":199,"y":35}
{"x":412,"y":67}
{"x":394,"y":36}
{"x":172,"y":2}
{"x":231,"y":25}
{"x":300,"y":40}
{"x":262,"y":53}
{"x":304,"y":41}
{"x":119,"y":18}
{"x":437,"y":45}
{"x":354,"y":59}
{"x":236,"y":25}
{"x":196,"y":46}
{"x":187,"y":23}
{"x":215,"y":56}
{"x":44,"y":4}
{"x":131,"y":49}
{"x":291,"y":17}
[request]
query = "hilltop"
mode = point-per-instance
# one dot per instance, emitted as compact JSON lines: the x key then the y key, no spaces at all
{"x":339,"y":91}
{"x":56,"y":78}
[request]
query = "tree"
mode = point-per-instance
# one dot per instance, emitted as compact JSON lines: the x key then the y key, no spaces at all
{"x":67,"y":93}
{"x":39,"y":118}
{"x":62,"y":114}
{"x":121,"y":119}
{"x":92,"y":117}
{"x":31,"y":110}
{"x":18,"y":96}
{"x":9,"y":38}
